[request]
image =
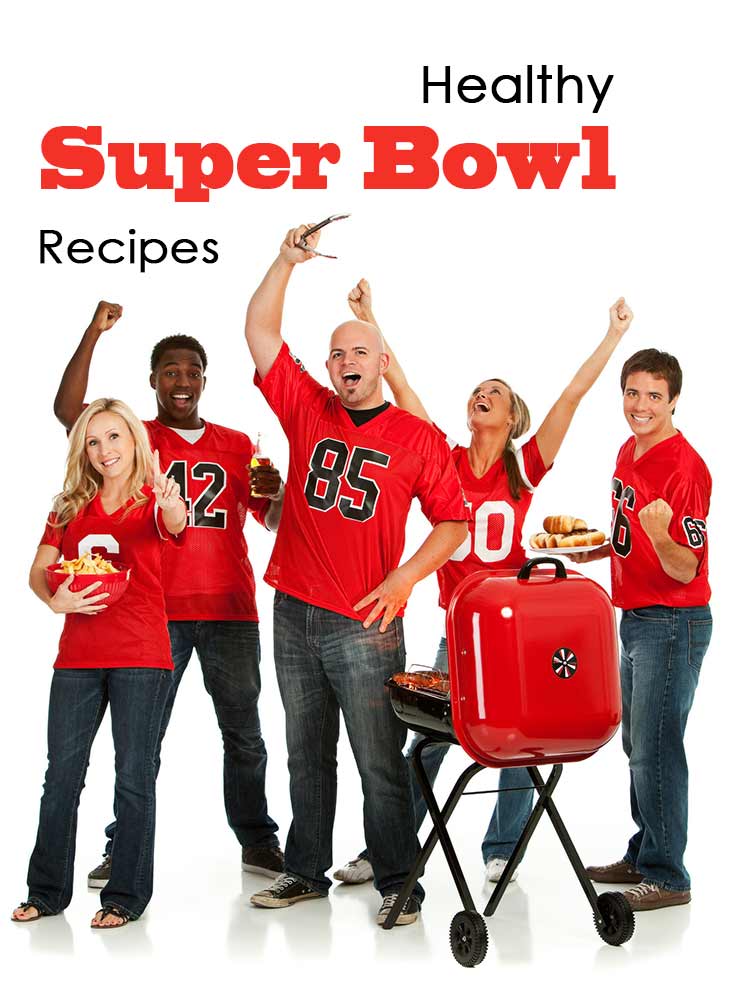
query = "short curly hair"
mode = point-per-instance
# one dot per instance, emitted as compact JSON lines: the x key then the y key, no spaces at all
{"x":656,"y":362}
{"x":177,"y":342}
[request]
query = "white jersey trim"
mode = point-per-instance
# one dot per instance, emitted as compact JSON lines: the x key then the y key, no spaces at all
{"x":522,"y":469}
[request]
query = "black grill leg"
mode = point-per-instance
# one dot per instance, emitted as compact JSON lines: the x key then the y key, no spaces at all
{"x":438,"y":832}
{"x":566,"y":841}
{"x":545,"y":789}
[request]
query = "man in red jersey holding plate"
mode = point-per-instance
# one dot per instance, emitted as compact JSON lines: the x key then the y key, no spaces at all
{"x":209,"y":587}
{"x":356,"y":463}
{"x":658,"y":546}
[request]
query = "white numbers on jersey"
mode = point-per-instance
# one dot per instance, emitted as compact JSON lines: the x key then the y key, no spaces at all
{"x":98,"y":543}
{"x":695,"y":530}
{"x":327,"y":464}
{"x":200,"y":512}
{"x":620,"y":537}
{"x":478,"y":544}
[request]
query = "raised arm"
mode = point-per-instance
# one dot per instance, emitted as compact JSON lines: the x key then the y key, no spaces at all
{"x":553,"y":429}
{"x":265,"y":311}
{"x":361,"y":302}
{"x":69,"y":400}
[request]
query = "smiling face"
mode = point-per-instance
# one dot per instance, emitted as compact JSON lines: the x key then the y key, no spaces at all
{"x":356,"y":364}
{"x":648,"y":408}
{"x":178,"y":381}
{"x":110,"y":446}
{"x":490,"y":407}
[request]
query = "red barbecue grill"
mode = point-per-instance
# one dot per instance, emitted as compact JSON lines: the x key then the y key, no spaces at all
{"x":533,"y":677}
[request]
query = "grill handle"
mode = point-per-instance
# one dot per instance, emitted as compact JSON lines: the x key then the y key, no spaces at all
{"x":525,"y":573}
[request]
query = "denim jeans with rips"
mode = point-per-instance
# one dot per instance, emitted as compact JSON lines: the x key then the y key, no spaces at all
{"x":662,"y":649}
{"x":327,"y":663}
{"x":77,"y":704}
{"x":229,"y":654}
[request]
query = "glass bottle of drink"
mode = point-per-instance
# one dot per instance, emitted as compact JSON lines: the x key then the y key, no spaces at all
{"x":259,"y":460}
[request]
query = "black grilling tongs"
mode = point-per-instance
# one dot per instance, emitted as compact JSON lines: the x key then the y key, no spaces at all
{"x":302,"y":243}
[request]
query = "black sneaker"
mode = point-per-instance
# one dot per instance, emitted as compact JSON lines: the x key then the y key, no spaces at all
{"x":265,"y":861}
{"x":409,"y":912}
{"x":97,"y":879}
{"x":286,"y":891}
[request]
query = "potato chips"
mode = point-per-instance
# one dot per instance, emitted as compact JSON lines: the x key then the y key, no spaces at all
{"x":88,"y":564}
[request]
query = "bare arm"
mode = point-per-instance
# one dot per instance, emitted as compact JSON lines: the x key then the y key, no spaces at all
{"x":69,"y":400}
{"x":360,"y":301}
{"x":679,"y":562}
{"x":553,"y":429}
{"x":266,"y":482}
{"x":273,"y":514}
{"x":89,"y":602}
{"x":265,"y":311}
{"x":396,"y":587}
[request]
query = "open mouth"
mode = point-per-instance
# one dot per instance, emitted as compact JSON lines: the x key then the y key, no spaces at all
{"x":111,"y":462}
{"x":351,"y":379}
{"x":481,"y":407}
{"x":641,"y":420}
{"x":181,"y":399}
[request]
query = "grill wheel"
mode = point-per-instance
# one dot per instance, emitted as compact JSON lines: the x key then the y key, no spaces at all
{"x":468,"y":938}
{"x":616,"y":921}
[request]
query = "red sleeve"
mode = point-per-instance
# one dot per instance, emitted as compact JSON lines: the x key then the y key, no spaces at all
{"x":688,"y":527}
{"x":530,"y":464}
{"x":288,"y":385}
{"x":52,"y":535}
{"x":438,"y":488}
{"x":452,"y":444}
{"x":259,"y":508}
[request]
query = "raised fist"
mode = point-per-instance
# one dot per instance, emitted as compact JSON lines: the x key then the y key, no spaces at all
{"x":655,"y":518}
{"x":105,"y":316}
{"x":360,"y":300}
{"x":620,"y":316}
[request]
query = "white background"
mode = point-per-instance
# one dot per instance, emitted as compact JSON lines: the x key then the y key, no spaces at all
{"x":468,"y":285}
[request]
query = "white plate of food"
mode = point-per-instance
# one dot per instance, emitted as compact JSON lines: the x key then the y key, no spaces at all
{"x":554,"y":551}
{"x":566,"y":535}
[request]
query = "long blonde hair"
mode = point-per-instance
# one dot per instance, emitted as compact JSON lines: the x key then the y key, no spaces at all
{"x":521,"y":424}
{"x":82,"y":482}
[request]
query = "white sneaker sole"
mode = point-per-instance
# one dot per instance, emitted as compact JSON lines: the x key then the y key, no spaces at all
{"x":96,"y":884}
{"x":272,"y":903}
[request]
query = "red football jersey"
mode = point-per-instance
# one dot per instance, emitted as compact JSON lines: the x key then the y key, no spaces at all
{"x":673,"y":471}
{"x":131,"y":633}
{"x":349,"y":490}
{"x":211,"y":577}
{"x":497,"y":518}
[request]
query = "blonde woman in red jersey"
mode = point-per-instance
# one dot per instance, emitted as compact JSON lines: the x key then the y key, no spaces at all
{"x":498,"y":483}
{"x":118,"y":655}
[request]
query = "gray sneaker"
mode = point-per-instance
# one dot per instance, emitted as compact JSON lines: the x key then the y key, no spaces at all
{"x":97,"y":879}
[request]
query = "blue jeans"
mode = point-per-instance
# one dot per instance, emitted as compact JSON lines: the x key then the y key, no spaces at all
{"x":229,"y":653}
{"x":512,"y":809}
{"x":661,"y":654}
{"x":77,"y":704}
{"x":325,"y":663}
